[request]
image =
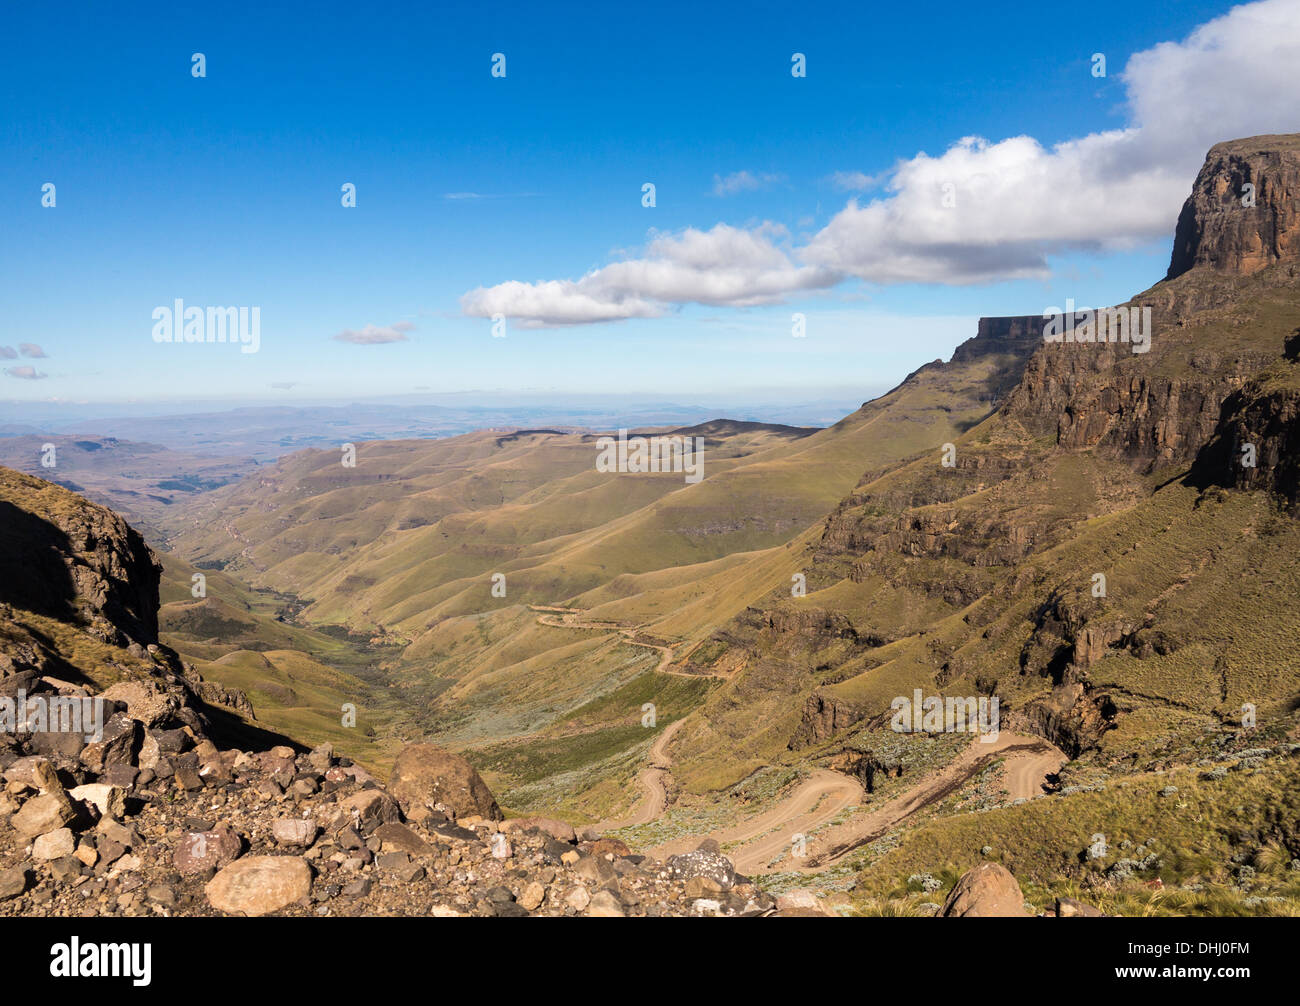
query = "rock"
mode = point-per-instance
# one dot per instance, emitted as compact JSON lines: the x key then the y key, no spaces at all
{"x":1213,"y":230}
{"x":117,"y":832}
{"x":110,"y":801}
{"x":124,"y":777}
{"x":604,"y":905}
{"x":531,"y":898}
{"x":42,"y":814}
{"x":13,"y":882}
{"x":120,"y":744}
{"x":987,"y":891}
{"x":608,"y":847}
{"x":393,"y":861}
{"x":259,"y":885}
{"x":598,"y":871}
{"x":358,"y":888}
{"x":145,"y":701}
{"x":65,"y":869}
{"x":578,"y":898}
{"x":371,"y":808}
{"x":149,"y":752}
{"x":1069,"y":908}
{"x":558,"y":830}
{"x":702,"y":887}
{"x":427,"y":775}
{"x":797,"y":898}
{"x":200,"y":851}
{"x":298,"y":831}
{"x":54,"y":845}
{"x":23,"y":770}
{"x":321,"y":757}
{"x":501,"y":847}
{"x":395,"y":837}
{"x":700,"y":863}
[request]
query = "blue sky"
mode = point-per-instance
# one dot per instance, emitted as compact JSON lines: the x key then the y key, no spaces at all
{"x":225,"y":190}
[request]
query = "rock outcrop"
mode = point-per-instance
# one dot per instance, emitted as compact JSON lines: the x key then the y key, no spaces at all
{"x":426,"y":776}
{"x":1244,"y":211}
{"x":987,"y":891}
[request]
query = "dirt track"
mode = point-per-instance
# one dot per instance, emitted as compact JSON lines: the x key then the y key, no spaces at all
{"x":570,"y":618}
{"x":1028,"y":761}
{"x":762,"y":844}
{"x":652,"y":783}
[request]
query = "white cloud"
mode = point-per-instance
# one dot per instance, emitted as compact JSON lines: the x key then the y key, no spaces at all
{"x":31,"y":350}
{"x":742,"y":181}
{"x":376,"y":335}
{"x":1018,"y":202}
{"x":1015,"y":202}
{"x":26,"y":373}
{"x":723,"y":266}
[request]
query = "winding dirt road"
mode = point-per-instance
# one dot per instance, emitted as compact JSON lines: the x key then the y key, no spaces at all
{"x":570,"y":618}
{"x":764,"y":843}
{"x":1027,"y":761}
{"x":652,"y":781}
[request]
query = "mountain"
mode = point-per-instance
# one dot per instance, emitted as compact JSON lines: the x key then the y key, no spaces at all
{"x":983,"y":580}
{"x":1088,"y":547}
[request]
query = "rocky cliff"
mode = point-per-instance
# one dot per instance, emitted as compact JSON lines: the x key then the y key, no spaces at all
{"x":1244,"y":211}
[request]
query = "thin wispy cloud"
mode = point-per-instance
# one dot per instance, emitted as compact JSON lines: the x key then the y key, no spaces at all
{"x":376,"y":335}
{"x":742,"y":181}
{"x":857,"y":181}
{"x":488,"y":195}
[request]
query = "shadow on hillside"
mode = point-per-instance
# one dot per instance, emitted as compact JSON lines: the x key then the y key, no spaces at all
{"x":33,"y":574}
{"x":228,"y":730}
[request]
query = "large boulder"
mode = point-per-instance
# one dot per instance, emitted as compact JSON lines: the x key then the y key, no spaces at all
{"x":702,"y":863}
{"x":988,"y":891}
{"x":259,"y":885}
{"x":425,"y":776}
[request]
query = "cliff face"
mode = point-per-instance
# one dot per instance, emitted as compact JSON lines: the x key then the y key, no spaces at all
{"x":63,"y":557}
{"x":1221,"y":316}
{"x":1218,"y":231}
{"x":79,"y":614}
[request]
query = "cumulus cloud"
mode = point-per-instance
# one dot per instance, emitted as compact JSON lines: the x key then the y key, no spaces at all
{"x":31,"y":350}
{"x":1015,"y":202}
{"x":376,"y":335}
{"x":742,"y":181}
{"x":982,"y":210}
{"x":26,"y":373}
{"x":723,"y":266}
{"x":8,"y":353}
